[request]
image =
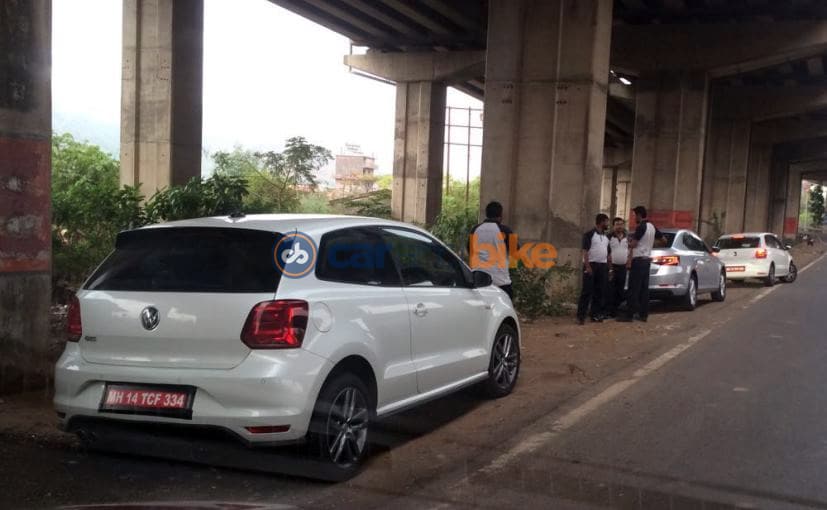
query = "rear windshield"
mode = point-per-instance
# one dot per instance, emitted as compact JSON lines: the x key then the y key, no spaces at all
{"x":190,"y":260}
{"x":665,"y":241}
{"x":733,"y":243}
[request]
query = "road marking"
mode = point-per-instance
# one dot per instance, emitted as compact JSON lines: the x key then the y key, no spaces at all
{"x":571,"y":418}
{"x":811,"y":264}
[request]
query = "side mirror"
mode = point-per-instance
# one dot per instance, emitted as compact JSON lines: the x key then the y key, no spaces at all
{"x":788,"y":247}
{"x":481,"y":279}
{"x":715,"y":249}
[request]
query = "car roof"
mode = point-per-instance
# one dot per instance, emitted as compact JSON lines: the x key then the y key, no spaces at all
{"x":750,"y":234}
{"x":308,"y":223}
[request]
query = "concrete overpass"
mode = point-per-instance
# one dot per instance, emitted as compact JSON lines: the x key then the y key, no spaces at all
{"x":725,"y":111}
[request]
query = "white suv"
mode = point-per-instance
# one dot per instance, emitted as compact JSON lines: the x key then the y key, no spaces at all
{"x":280,"y":328}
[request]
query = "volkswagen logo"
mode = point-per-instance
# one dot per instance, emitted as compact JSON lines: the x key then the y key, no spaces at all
{"x":150,"y":318}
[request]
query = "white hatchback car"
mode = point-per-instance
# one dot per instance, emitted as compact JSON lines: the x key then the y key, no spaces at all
{"x":756,"y":255}
{"x":280,"y":328}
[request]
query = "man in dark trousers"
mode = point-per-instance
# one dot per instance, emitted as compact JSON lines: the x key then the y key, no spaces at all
{"x":618,"y":255}
{"x":640,"y":256}
{"x":493,"y":233}
{"x":595,"y":271}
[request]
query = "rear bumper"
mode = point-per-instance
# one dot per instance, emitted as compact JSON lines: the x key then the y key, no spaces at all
{"x":741,"y":270}
{"x":670,"y":281}
{"x":269,"y":388}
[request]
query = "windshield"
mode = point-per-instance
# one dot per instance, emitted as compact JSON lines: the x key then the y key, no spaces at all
{"x":189,"y":260}
{"x":734,"y":243}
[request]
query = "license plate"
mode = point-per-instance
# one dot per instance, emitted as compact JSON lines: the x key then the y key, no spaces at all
{"x":735,"y":269}
{"x":168,"y":401}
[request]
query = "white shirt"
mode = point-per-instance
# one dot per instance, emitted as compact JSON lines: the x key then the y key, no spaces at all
{"x":489,"y":234}
{"x":597,"y":244}
{"x":620,"y":249}
{"x":645,"y":235}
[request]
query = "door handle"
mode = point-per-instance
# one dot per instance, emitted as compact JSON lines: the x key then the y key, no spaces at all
{"x":420,"y":310}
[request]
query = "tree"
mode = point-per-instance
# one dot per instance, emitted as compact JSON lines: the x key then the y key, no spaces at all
{"x":815,"y":205}
{"x":89,"y":207}
{"x":275,"y":179}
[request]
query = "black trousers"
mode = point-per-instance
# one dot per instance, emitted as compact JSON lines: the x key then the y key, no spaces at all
{"x":618,"y":287}
{"x":594,"y":290}
{"x":638,"y":297}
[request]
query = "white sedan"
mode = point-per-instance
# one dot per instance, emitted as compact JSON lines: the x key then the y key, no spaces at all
{"x":756,"y":255}
{"x":280,"y":328}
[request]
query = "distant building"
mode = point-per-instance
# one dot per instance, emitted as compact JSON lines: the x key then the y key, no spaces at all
{"x":354,"y":171}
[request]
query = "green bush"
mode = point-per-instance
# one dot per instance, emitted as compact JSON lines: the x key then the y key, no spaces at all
{"x":219,"y":195}
{"x":89,"y":207}
{"x":539,"y":292}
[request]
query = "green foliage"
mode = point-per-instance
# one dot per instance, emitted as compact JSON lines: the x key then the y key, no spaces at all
{"x":458,"y":217}
{"x":815,"y":205}
{"x":376,"y":204}
{"x":89,"y":207}
{"x":274,"y":179}
{"x":384,"y":181}
{"x":539,"y":292}
{"x":219,"y":195}
{"x":314,"y":203}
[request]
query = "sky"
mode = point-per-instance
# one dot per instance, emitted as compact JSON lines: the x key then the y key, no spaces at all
{"x":268,"y":75}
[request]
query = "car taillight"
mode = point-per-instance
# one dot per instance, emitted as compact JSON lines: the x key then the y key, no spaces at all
{"x":667,"y":260}
{"x":276,"y":324}
{"x":761,"y":253}
{"x":74,"y":328}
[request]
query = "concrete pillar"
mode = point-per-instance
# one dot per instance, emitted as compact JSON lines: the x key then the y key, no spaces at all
{"x":670,"y":132}
{"x":616,"y":173}
{"x":792,"y":206}
{"x":546,"y":87}
{"x":418,"y":151}
{"x":779,"y":181}
{"x":25,"y":199}
{"x":757,"y":202}
{"x":725,"y":177}
{"x":161,"y":92}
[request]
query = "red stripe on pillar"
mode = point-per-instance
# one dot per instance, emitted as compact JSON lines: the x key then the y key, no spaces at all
{"x":25,"y":212}
{"x":790,"y":225}
{"x":667,"y":218}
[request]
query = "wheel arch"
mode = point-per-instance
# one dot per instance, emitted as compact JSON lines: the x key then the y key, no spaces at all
{"x":361,"y":368}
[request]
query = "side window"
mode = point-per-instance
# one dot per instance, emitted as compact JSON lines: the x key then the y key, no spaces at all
{"x":356,"y":255}
{"x":772,"y":242}
{"x":423,"y":262}
{"x":693,"y":243}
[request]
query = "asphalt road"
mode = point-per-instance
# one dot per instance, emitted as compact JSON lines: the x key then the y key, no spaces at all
{"x":737,"y":419}
{"x":735,"y":416}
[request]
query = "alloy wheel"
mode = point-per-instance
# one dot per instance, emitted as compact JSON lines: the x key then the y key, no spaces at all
{"x":347,"y":426}
{"x":506,"y":359}
{"x":722,"y":286}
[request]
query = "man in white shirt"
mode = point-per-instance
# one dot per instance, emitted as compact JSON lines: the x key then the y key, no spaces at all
{"x":595,"y":271}
{"x":640,"y":251}
{"x":618,"y":255}
{"x":493,"y":234}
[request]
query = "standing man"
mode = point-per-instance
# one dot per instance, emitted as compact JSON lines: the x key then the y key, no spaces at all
{"x":595,"y":271}
{"x":492,"y":234}
{"x":618,"y":255}
{"x":640,"y":251}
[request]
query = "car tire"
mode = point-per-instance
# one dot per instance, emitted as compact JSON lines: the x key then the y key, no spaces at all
{"x":690,"y":300}
{"x":720,"y":294}
{"x":504,"y":366}
{"x":340,"y":427}
{"x":792,"y":275}
{"x":769,"y":281}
